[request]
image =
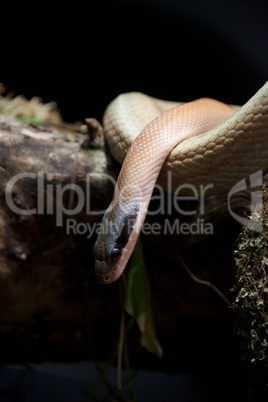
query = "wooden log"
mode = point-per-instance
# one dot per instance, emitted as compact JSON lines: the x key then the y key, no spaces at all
{"x":52,"y":307}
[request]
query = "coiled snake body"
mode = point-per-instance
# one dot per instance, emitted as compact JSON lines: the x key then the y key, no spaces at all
{"x":157,"y":138}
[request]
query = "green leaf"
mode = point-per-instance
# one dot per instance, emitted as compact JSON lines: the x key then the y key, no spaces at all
{"x":31,"y":120}
{"x":149,"y":338}
{"x":138,"y":301}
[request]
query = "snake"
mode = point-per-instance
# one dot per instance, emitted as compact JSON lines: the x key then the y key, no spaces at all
{"x":197,"y":142}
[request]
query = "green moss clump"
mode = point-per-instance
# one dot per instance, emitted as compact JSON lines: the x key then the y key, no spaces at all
{"x":251,"y":301}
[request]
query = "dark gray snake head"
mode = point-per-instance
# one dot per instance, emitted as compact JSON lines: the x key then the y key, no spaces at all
{"x":111,"y":244}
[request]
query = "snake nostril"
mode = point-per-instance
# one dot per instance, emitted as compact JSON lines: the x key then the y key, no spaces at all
{"x":103,"y":278}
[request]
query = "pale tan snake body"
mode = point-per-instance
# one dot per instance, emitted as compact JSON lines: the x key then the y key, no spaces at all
{"x":233,"y":144}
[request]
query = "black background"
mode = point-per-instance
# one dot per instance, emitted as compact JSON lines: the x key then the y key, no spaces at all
{"x":82,"y":56}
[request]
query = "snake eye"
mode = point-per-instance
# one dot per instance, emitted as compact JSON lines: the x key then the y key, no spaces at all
{"x":115,"y":254}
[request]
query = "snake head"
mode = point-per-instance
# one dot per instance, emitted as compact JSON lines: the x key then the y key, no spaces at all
{"x":112,"y":249}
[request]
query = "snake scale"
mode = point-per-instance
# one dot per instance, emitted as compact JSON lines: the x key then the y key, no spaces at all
{"x":199,"y":142}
